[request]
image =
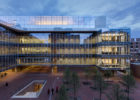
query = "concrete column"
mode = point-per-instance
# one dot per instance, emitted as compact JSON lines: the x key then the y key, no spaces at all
{"x":14,"y":70}
{"x":54,"y":69}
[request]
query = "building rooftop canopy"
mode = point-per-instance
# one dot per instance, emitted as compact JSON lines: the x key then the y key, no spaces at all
{"x":54,"y":22}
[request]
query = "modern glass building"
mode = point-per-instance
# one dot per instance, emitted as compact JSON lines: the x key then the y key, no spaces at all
{"x":62,"y":41}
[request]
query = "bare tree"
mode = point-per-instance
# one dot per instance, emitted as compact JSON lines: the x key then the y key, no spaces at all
{"x":62,"y":94}
{"x":108,"y":74}
{"x":116,"y":93}
{"x":75,"y":84}
{"x":67,"y":75}
{"x":101,"y":84}
{"x":128,"y":82}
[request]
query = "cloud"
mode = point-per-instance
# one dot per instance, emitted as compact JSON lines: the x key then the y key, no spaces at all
{"x":135,"y":33}
{"x":119,"y":12}
{"x":125,"y":22}
{"x":135,"y":26}
{"x":60,"y":7}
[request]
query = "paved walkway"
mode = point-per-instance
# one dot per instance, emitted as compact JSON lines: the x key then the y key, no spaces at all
{"x":17,"y":84}
{"x":19,"y":80}
{"x":136,"y":92}
{"x":10,"y":77}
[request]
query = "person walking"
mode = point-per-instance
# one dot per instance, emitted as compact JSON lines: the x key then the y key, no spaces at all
{"x":48,"y":91}
{"x":56,"y":89}
{"x":52,"y":91}
{"x":6,"y":84}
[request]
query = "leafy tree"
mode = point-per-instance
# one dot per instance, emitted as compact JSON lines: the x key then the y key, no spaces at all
{"x":101,"y":84}
{"x":108,"y":74}
{"x":94,"y":70}
{"x":62,"y":94}
{"x":116,"y":93}
{"x":128,"y":82}
{"x":67,"y":75}
{"x":95,"y":77}
{"x":75,"y":83}
{"x":87,"y":74}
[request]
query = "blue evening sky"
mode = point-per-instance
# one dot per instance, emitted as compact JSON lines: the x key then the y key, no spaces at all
{"x":120,"y":13}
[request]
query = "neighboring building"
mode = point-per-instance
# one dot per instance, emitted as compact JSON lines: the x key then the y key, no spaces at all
{"x":62,"y":41}
{"x":135,"y":50}
{"x":135,"y":68}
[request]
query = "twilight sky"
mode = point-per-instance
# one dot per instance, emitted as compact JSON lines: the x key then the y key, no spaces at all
{"x":120,"y":13}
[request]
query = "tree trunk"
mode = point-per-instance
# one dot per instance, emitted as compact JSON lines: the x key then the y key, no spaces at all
{"x":128,"y":94}
{"x":75,"y":98}
{"x":100,"y":95}
{"x":100,"y":91}
{"x":75,"y":95}
{"x":117,"y":95}
{"x":128,"y":90}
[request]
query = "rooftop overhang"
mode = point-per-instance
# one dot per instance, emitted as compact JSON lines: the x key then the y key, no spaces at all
{"x":49,"y":31}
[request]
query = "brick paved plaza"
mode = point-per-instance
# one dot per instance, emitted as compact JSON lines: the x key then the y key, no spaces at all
{"x":18,"y":80}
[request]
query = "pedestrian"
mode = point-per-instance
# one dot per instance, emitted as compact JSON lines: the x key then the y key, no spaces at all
{"x":56,"y":89}
{"x":48,"y":91}
{"x":6,"y":84}
{"x":52,"y":91}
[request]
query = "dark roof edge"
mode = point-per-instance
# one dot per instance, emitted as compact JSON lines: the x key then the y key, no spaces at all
{"x":53,"y":31}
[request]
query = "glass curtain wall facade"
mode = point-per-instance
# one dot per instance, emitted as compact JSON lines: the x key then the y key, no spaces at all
{"x":107,"y":50}
{"x":58,"y":49}
{"x":9,"y":50}
{"x":114,"y":49}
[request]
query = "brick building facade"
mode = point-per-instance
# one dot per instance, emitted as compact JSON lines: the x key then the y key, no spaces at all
{"x":135,"y":49}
